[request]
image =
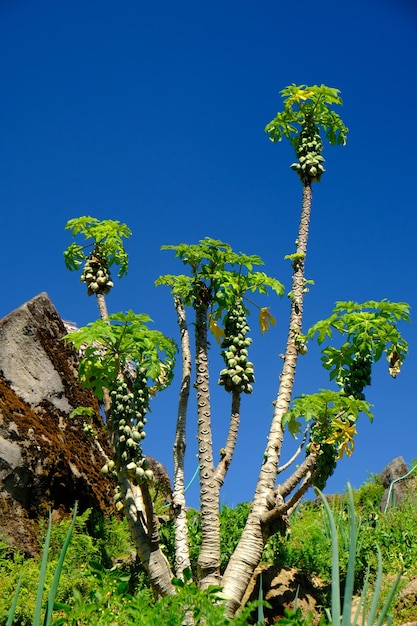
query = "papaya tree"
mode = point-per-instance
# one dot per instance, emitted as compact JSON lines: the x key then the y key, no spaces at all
{"x":98,"y":256}
{"x":215,"y":288}
{"x":218,"y":289}
{"x":125,"y":363}
{"x":369,"y":330}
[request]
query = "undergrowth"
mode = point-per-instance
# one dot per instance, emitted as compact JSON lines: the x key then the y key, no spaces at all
{"x":102,"y":584}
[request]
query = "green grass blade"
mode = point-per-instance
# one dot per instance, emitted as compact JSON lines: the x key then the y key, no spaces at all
{"x":55,"y":582}
{"x":350,"y":572}
{"x":387,"y":604}
{"x":12,"y":611}
{"x":335,"y":563}
{"x":362,"y":602}
{"x":377,"y":591}
{"x":261,"y":616}
{"x":42,"y":574}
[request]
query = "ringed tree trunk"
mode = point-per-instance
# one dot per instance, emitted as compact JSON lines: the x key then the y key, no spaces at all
{"x":182,"y":554}
{"x":268,"y":508}
{"x":209,"y":557}
{"x":102,"y":306}
{"x":104,"y":314}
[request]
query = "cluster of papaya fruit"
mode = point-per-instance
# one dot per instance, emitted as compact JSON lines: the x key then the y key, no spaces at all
{"x":238,"y":374}
{"x":96,"y":276}
{"x":328,"y":453}
{"x":308,"y":151}
{"x":358,"y":377}
{"x":127,"y":423}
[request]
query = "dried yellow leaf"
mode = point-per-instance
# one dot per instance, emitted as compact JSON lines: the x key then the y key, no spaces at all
{"x":217,"y":331}
{"x":266,"y":319}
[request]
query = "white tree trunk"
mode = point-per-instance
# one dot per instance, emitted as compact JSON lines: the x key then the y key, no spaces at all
{"x":256,"y":532}
{"x":182,"y":553}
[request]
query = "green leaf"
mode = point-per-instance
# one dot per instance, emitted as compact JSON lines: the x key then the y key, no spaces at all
{"x":303,"y":103}
{"x":368,"y":328}
{"x":326,"y":405}
{"x":227,"y":275}
{"x":106,"y":239}
{"x":42,"y":575}
{"x":12,"y":610}
{"x":120,"y":342}
{"x":73,"y":257}
{"x":55,"y":582}
{"x":83,"y":411}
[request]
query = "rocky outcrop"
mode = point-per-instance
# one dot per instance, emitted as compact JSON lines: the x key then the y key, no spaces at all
{"x":47,"y":462}
{"x":397,"y":484}
{"x":284,"y":588}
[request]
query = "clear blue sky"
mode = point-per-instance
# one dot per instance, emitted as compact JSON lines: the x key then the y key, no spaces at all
{"x":152,"y":113}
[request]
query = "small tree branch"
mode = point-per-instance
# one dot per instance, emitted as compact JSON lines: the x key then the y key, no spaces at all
{"x":304,"y":473}
{"x":229,"y":448}
{"x":297,"y":476}
{"x":296,"y":453}
{"x":296,"y":497}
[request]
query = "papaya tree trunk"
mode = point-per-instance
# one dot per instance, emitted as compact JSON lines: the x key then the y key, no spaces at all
{"x":104,"y":314}
{"x":209,"y":557}
{"x":143,"y":525}
{"x":248,"y":553}
{"x":102,"y":306}
{"x":182,"y":554}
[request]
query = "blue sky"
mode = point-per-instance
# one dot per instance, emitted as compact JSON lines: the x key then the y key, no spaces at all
{"x":153,"y":114}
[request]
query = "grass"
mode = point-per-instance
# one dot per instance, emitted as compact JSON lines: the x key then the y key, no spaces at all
{"x":100,"y":583}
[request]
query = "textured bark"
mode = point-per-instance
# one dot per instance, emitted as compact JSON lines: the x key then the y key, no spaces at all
{"x":102,"y":306}
{"x":143,"y":526}
{"x":209,"y":558}
{"x":182,"y":554}
{"x":249,"y":550}
{"x":104,"y":314}
{"x":229,"y":448}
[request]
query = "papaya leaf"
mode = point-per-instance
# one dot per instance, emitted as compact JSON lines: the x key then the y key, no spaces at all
{"x":266,"y":319}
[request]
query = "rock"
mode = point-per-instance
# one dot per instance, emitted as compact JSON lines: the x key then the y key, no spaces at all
{"x":47,"y":462}
{"x":281,"y":587}
{"x":397,"y":468}
{"x":406,"y":604}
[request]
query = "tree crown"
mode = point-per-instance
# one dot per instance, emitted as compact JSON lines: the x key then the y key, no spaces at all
{"x":107,"y":242}
{"x":308,"y":105}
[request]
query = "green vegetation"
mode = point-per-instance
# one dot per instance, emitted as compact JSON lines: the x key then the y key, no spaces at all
{"x":100,"y":583}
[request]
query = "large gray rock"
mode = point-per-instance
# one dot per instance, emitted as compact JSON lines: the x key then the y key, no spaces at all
{"x":47,"y":462}
{"x":396,"y":490}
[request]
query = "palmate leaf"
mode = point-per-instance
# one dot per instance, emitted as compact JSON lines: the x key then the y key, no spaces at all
{"x":227,"y":276}
{"x":368,"y":328}
{"x":106,"y":238}
{"x":323,"y":406}
{"x":323,"y":329}
{"x":74,"y":257}
{"x":112,"y":345}
{"x":304,"y":103}
{"x":212,"y":253}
